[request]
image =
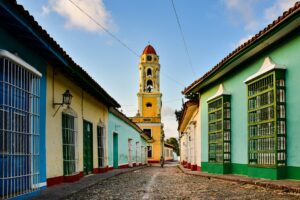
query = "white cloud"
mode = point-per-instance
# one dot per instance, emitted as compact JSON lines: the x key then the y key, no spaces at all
{"x":167,"y":111}
{"x":243,"y":40}
{"x":278,"y":8}
{"x":242,"y":11}
{"x":170,"y":123}
{"x":74,"y":18}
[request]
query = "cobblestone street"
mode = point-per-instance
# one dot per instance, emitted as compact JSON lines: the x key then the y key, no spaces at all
{"x":171,"y":183}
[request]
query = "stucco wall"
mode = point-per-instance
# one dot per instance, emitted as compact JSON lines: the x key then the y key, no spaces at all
{"x":156,"y":145}
{"x":10,"y":43}
{"x":125,"y":132}
{"x":286,"y":53}
{"x":86,"y":107}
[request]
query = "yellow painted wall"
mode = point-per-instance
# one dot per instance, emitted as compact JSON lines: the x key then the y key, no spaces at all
{"x":152,"y":111}
{"x":156,"y":145}
{"x":86,"y":107}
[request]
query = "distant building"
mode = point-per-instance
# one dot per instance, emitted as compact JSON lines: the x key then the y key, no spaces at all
{"x":149,"y":103}
{"x":168,"y":152}
{"x":190,"y":136}
{"x":127,"y":142}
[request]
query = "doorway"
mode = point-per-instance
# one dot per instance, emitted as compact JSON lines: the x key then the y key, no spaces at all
{"x":130,"y":152}
{"x":115,"y":151}
{"x":87,"y":147}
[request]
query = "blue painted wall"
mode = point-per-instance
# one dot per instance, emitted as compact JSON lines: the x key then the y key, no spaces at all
{"x":9,"y":43}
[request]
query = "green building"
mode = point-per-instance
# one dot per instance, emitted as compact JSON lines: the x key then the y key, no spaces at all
{"x":250,"y":105}
{"x":127,"y":143}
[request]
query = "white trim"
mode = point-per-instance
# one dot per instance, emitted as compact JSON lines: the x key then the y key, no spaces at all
{"x":22,"y":63}
{"x":221,"y":91}
{"x":267,"y":66}
{"x":39,"y":185}
{"x":149,"y":124}
{"x":123,"y":164}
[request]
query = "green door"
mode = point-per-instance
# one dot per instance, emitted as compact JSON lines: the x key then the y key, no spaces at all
{"x":87,"y":147}
{"x":115,"y":151}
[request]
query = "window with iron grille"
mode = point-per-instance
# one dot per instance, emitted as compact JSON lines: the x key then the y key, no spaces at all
{"x":219,"y":129}
{"x":69,"y":143}
{"x":19,"y":126}
{"x":101,"y":146}
{"x":266,"y":120}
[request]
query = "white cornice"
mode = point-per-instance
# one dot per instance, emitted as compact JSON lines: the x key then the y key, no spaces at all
{"x":267,"y":66}
{"x":22,"y":63}
{"x":221,"y":91}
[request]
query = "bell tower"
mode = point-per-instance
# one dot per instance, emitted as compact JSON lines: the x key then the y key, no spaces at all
{"x":149,"y":96}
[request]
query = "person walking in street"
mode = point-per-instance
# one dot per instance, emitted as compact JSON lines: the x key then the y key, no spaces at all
{"x":162,"y":161}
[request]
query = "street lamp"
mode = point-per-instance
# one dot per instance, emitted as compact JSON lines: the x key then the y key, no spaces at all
{"x":66,"y":100}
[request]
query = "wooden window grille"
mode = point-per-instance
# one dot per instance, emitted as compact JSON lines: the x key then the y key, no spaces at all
{"x":101,"y":146}
{"x":69,"y":144}
{"x":267,"y":120}
{"x":219,"y":129}
{"x":19,"y":127}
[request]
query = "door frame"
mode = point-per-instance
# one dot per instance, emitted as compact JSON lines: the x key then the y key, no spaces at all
{"x":91,"y":161}
{"x":115,"y":150}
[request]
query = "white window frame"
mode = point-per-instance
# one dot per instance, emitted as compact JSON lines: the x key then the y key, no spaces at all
{"x":101,"y":126}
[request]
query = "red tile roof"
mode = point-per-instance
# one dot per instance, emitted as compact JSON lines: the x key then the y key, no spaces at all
{"x":149,"y":50}
{"x":243,"y":46}
{"x":43,"y":34}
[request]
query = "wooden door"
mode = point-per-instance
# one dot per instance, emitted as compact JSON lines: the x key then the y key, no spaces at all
{"x":115,"y":151}
{"x":87,"y":147}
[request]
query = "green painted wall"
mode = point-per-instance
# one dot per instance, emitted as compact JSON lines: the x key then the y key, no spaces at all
{"x":285,"y":52}
{"x":124,"y":132}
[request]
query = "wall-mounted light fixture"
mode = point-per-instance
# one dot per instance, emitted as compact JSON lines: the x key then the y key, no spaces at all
{"x":66,"y":100}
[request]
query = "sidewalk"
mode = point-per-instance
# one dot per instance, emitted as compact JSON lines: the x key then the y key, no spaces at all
{"x":285,"y":185}
{"x":66,"y":189}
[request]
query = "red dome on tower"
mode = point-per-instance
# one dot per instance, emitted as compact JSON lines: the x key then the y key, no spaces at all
{"x":149,"y":50}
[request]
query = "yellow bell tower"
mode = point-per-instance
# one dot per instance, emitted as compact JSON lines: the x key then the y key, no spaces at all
{"x":149,"y":102}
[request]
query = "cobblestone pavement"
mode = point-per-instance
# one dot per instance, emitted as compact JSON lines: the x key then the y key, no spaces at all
{"x":170,"y":183}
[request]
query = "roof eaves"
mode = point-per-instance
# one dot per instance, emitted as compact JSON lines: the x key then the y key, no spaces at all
{"x":125,"y":119}
{"x":50,"y":42}
{"x":185,"y":108}
{"x":239,"y":50}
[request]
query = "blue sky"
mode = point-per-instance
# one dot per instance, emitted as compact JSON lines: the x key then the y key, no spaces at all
{"x":212,"y":29}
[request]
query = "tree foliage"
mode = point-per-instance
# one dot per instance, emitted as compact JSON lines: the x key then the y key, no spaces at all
{"x":178,"y":114}
{"x":173,"y":141}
